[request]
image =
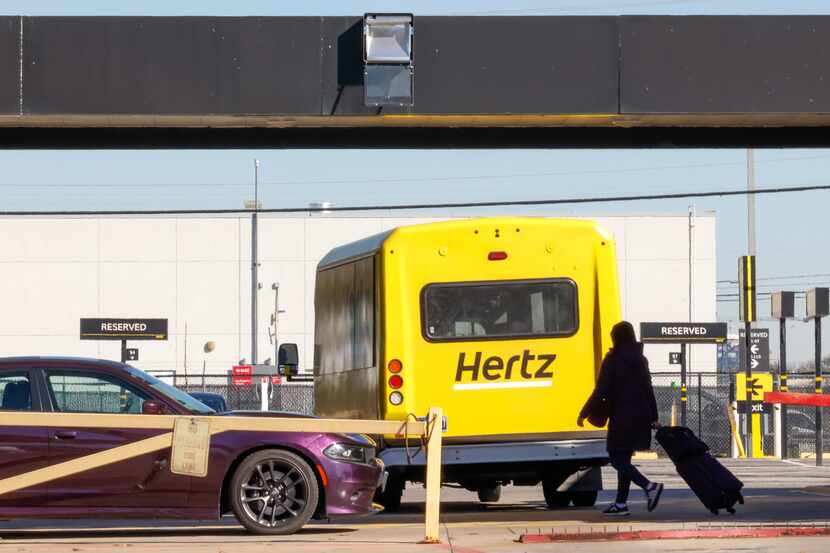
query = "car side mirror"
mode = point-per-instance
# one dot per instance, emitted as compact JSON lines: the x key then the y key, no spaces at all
{"x":288,"y":359}
{"x":152,"y":407}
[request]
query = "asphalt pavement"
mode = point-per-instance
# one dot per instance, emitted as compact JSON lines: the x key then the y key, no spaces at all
{"x":777,"y":493}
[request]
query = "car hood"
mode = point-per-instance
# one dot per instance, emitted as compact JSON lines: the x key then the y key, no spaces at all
{"x":360,"y":439}
{"x":276,"y":414}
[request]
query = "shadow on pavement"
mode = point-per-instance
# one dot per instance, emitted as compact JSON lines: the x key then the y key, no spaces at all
{"x":85,"y":532}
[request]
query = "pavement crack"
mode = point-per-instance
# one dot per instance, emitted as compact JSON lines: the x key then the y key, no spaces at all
{"x":449,"y":537}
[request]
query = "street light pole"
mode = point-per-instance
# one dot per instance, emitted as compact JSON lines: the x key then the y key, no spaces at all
{"x":254,"y":266}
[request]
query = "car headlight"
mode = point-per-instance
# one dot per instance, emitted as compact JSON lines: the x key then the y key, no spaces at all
{"x":350,"y":453}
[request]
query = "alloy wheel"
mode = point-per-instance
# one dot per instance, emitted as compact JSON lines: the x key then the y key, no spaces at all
{"x":273,"y":493}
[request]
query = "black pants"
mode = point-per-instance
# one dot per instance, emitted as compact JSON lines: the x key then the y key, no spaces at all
{"x":626,"y":474}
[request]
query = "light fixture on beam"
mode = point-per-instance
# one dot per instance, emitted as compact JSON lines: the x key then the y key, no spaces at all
{"x":387,"y":55}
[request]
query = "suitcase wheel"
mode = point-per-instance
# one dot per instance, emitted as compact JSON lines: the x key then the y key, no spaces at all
{"x":714,"y":511}
{"x":730,"y":510}
{"x":740,"y":499}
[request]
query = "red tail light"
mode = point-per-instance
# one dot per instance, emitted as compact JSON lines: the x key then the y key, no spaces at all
{"x":395,"y":366}
{"x":395,"y":381}
{"x":496,"y":256}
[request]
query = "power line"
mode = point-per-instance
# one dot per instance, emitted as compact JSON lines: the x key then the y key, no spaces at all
{"x":780,"y":277}
{"x":449,"y":205}
{"x":550,"y":173}
{"x":777,"y":287}
{"x":412,"y":179}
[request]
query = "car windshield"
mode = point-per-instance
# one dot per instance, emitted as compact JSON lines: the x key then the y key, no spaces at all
{"x":174,"y":394}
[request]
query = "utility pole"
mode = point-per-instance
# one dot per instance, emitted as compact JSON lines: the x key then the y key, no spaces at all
{"x":254,"y":265}
{"x":686,"y":349}
{"x":750,"y":237}
{"x":750,"y":201}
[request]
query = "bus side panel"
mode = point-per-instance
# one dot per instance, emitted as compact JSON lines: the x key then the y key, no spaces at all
{"x":399,"y":322}
{"x":347,"y":395}
{"x":345,"y":356}
{"x":607,"y":311}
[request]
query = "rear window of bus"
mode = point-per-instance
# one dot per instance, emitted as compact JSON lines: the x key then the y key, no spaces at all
{"x":499,"y":310}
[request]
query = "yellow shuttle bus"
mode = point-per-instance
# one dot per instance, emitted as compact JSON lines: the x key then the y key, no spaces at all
{"x":502,"y":322}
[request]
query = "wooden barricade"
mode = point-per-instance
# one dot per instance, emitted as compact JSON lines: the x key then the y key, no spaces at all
{"x":430,"y":430}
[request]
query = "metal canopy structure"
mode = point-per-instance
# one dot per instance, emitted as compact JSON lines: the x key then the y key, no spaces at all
{"x":478,"y":82}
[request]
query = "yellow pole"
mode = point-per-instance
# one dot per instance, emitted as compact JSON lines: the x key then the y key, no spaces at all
{"x":757,"y":437}
{"x":433,"y":481}
{"x":673,"y":412}
{"x":735,"y":435}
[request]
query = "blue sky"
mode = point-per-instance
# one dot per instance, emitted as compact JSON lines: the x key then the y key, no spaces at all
{"x":791,"y":236}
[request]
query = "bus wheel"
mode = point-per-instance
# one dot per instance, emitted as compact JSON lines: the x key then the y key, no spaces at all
{"x":391,"y":495}
{"x":555,"y":499}
{"x":489,"y":494}
{"x":584,"y":498}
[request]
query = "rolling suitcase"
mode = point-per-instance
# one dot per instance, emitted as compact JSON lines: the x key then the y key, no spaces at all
{"x":715,"y":486}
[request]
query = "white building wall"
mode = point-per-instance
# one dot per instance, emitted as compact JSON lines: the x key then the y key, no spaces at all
{"x":195,"y":271}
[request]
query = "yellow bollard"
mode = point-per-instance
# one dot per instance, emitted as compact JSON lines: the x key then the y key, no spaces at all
{"x":735,"y":434}
{"x":433,"y":480}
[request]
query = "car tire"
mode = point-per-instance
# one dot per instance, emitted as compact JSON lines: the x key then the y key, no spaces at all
{"x":490,"y":494}
{"x":553,"y":498}
{"x":390,"y":497}
{"x":273,"y":492}
{"x":584,"y":498}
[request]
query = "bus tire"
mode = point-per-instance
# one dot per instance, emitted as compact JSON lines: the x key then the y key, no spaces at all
{"x":584,"y":498}
{"x":489,"y":494}
{"x":555,"y":499}
{"x":392,"y":494}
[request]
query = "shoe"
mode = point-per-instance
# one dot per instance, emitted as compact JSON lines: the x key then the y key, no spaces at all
{"x":616,"y":511}
{"x":653,"y":495}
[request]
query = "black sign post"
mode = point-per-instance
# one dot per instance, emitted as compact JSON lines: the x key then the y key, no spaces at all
{"x":683,"y":333}
{"x":683,"y":385}
{"x":818,"y":306}
{"x":782,"y":305}
{"x":124,"y":329}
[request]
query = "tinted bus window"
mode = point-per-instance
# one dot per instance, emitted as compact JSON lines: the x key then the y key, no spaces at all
{"x":345,"y":317}
{"x":499,"y":310}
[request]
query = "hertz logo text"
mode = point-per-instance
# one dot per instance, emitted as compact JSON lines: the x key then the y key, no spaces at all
{"x":496,"y":368}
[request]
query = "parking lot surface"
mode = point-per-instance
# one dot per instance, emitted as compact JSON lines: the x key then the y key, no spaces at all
{"x":777,"y":492}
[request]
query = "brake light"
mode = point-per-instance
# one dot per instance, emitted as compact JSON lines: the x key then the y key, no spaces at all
{"x":395,"y":366}
{"x":395,"y":381}
{"x":496,"y":256}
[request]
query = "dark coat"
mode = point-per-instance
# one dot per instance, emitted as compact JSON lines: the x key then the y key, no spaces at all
{"x":624,"y":393}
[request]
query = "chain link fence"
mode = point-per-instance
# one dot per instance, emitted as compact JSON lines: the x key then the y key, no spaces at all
{"x":801,"y":420}
{"x":294,"y":397}
{"x":707,"y":399}
{"x":709,"y":395}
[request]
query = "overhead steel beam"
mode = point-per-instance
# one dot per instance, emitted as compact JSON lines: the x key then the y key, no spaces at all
{"x":480,"y":82}
{"x":412,"y":137}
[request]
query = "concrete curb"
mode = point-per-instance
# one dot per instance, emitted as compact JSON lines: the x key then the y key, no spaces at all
{"x":713,"y":533}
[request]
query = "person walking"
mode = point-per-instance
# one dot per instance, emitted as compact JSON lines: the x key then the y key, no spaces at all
{"x":624,"y":397}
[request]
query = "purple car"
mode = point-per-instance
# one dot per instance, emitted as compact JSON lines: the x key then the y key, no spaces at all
{"x":273,"y":482}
